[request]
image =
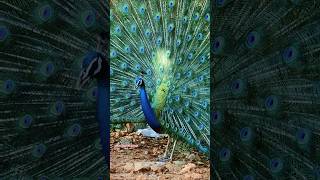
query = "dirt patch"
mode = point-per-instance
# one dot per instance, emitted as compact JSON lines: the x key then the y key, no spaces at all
{"x":134,"y":157}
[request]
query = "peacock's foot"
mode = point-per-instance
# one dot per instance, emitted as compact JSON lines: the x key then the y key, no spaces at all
{"x":164,"y":158}
{"x":168,"y":154}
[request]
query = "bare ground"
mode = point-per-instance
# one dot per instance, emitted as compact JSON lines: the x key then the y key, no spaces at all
{"x":134,"y":157}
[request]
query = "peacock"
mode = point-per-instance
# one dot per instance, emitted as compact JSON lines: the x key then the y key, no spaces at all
{"x":49,"y":52}
{"x":160,"y":67}
{"x":265,"y":118}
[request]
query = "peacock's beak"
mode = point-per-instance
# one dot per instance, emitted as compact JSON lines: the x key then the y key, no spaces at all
{"x":139,"y":83}
{"x":83,"y":79}
{"x":89,"y":72}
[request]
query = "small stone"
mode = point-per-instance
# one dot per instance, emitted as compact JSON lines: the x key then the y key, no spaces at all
{"x":179,"y":163}
{"x":141,"y":167}
{"x":191,"y":157}
{"x":199,"y":163}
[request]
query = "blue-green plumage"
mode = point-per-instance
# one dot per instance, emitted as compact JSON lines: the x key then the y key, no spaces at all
{"x":263,"y":91}
{"x":169,"y":42}
{"x":47,"y":124}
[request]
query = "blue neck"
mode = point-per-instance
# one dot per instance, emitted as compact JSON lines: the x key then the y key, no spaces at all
{"x":148,"y":111}
{"x":103,"y":117}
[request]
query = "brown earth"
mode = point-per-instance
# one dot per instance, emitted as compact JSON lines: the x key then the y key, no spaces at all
{"x":134,"y":157}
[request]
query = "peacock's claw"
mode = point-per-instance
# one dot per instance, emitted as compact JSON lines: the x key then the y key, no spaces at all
{"x":164,"y":159}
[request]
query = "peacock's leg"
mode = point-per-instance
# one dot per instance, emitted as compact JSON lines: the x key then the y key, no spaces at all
{"x":166,"y":156}
{"x":174,"y":146}
{"x":167,"y":147}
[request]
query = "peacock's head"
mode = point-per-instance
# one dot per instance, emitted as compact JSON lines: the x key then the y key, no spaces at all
{"x":94,"y":65}
{"x":139,"y":82}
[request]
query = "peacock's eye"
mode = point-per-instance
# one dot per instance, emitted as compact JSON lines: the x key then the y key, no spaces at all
{"x":225,"y":154}
{"x":113,"y":53}
{"x":46,"y":12}
{"x":89,"y":18}
{"x":196,"y":16}
{"x":217,"y":44}
{"x":178,"y":42}
{"x":303,"y":136}
{"x":159,"y":40}
{"x":125,"y":9}
{"x":26,"y":121}
{"x":8,"y":86}
{"x":235,"y":85}
{"x":49,"y":68}
{"x":171,"y":4}
{"x":275,"y":164}
{"x":39,"y":150}
{"x":185,"y":19}
{"x":215,"y":116}
{"x":3,"y":33}
{"x":141,"y":49}
{"x":207,"y":16}
{"x":141,"y":10}
{"x":118,"y":29}
{"x":290,"y":54}
{"x":202,"y":59}
{"x":170,"y":28}
{"x":189,"y":37}
{"x":94,"y":92}
{"x":59,"y":107}
{"x":133,"y":28}
{"x":270,"y":102}
{"x":251,"y":39}
{"x":157,"y":17}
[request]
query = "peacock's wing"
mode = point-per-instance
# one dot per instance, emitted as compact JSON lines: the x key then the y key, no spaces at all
{"x":265,"y":121}
{"x":47,"y":125}
{"x":167,"y":44}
